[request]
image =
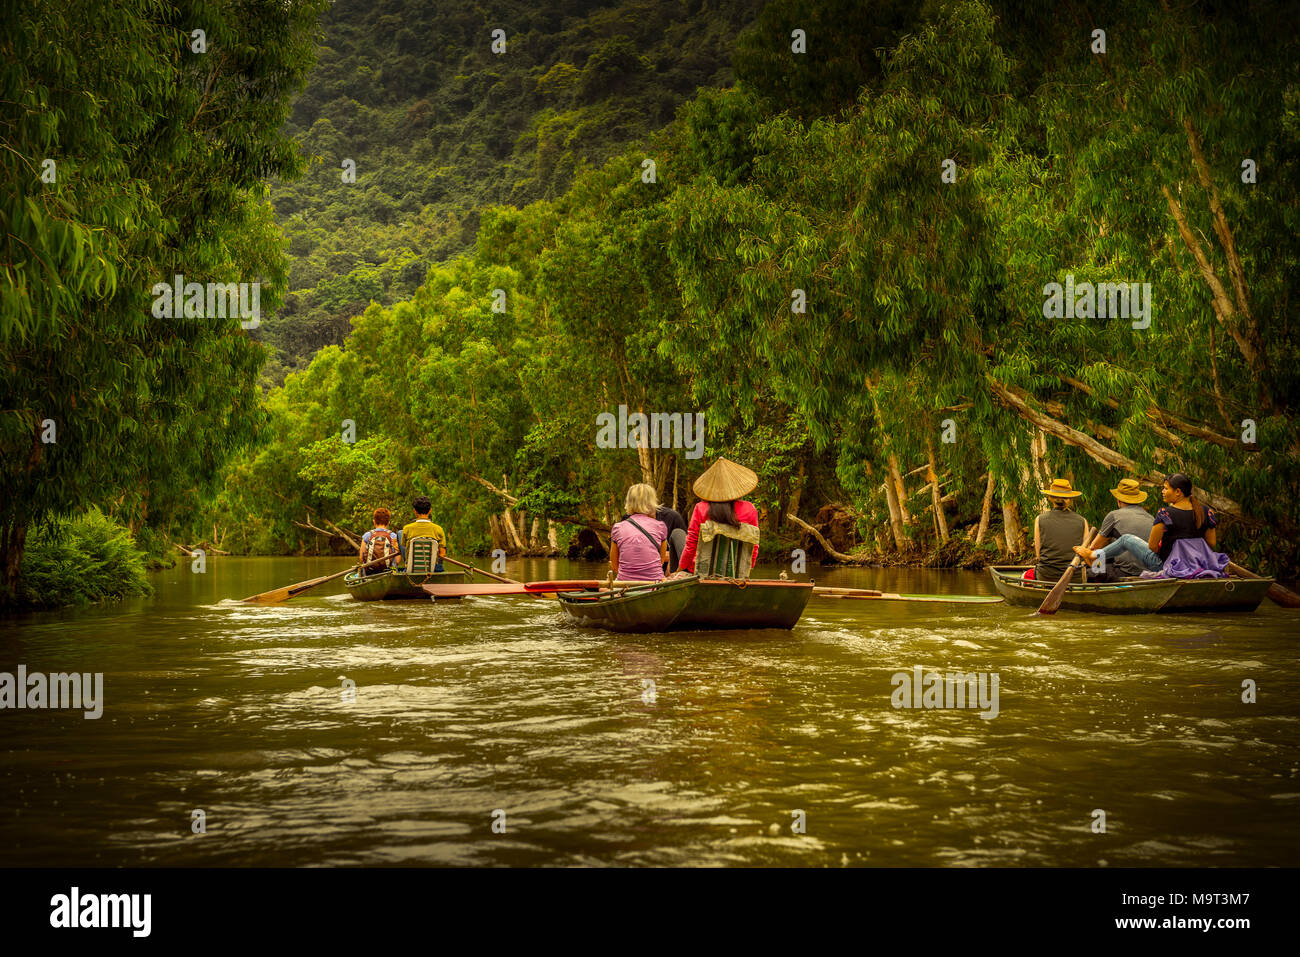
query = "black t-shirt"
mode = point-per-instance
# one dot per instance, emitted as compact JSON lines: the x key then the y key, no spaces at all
{"x":1180,"y":523}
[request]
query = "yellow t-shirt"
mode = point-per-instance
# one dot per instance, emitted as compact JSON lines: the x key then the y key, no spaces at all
{"x":423,"y":528}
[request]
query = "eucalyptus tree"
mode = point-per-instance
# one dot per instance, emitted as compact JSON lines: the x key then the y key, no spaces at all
{"x":135,"y":136}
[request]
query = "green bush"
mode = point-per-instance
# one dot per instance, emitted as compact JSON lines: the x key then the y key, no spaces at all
{"x":81,"y":560}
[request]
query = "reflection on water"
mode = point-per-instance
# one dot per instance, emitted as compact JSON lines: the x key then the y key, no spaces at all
{"x":662,"y":749}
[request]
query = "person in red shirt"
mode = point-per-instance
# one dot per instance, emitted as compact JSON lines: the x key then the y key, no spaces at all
{"x":720,"y":488}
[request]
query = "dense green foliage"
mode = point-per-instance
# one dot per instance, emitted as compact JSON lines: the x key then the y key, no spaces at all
{"x":77,"y":561}
{"x":157,"y":155}
{"x":925,"y":331}
{"x":440,"y":126}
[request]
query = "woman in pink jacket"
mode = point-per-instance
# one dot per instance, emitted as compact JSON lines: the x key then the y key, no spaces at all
{"x":720,"y":488}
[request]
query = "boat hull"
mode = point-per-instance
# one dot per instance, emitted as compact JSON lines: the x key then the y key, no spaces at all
{"x":722,"y":603}
{"x":691,"y":604}
{"x":636,"y":609}
{"x":398,"y":586}
{"x":1138,"y":596}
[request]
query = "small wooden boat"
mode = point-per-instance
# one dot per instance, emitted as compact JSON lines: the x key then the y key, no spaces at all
{"x":690,"y":604}
{"x":1136,"y":596}
{"x":752,"y":603}
{"x":638,"y":608}
{"x":398,"y":584}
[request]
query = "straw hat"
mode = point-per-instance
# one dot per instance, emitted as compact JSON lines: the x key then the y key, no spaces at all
{"x":724,"y":480}
{"x":1061,"y":488}
{"x":1129,"y":491}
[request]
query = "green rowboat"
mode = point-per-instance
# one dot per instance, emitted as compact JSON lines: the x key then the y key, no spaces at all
{"x":752,"y":603}
{"x":1136,"y":596}
{"x":694,"y":603}
{"x":639,"y":608}
{"x":398,"y":585}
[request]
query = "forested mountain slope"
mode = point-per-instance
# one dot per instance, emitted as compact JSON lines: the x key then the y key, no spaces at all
{"x":439,"y":126}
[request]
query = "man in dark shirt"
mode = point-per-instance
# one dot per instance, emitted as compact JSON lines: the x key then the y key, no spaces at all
{"x":676,"y":534}
{"x":1129,"y":519}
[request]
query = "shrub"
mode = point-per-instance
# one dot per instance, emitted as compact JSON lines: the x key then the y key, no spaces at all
{"x":81,"y":560}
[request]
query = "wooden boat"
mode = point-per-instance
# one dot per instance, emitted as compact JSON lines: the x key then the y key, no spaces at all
{"x":690,"y":604}
{"x":753,"y":603}
{"x":1136,"y":596}
{"x":398,"y":584}
{"x":650,"y":607}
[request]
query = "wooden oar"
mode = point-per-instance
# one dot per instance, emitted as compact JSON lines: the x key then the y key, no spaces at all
{"x":520,"y":588}
{"x":471,"y":569}
{"x":1054,"y":597}
{"x":293,"y":591}
{"x":1283,"y":596}
{"x":869,"y":594}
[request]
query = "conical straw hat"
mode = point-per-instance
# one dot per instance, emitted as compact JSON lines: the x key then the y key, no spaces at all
{"x":724,"y":480}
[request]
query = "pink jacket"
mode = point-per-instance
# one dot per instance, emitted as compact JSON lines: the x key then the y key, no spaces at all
{"x":746,"y":513}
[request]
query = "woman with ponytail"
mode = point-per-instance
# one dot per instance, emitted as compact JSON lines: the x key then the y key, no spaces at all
{"x":1184,"y":518}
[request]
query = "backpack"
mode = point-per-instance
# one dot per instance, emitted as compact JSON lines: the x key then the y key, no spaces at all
{"x":382,"y":544}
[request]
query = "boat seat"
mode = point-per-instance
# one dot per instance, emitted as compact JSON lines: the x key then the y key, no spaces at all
{"x":725,"y":551}
{"x":422,"y":556}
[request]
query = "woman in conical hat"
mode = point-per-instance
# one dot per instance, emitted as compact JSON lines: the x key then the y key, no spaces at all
{"x":720,"y":489}
{"x":1057,"y":531}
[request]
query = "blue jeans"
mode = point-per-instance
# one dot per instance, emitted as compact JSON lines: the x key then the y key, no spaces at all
{"x":1135,"y":547}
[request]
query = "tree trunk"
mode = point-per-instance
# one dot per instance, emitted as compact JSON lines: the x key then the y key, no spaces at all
{"x":936,"y":498}
{"x":796,"y":493}
{"x":895,"y":515}
{"x":13,"y":541}
{"x":515,"y":544}
{"x":986,"y":510}
{"x":498,"y":536}
{"x":646,"y":461}
{"x":900,"y":490}
{"x":1011,"y":525}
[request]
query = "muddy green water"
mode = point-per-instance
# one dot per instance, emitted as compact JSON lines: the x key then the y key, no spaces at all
{"x":463,"y":709}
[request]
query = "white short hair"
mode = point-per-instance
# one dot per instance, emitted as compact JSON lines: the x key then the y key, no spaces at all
{"x":641,"y":500}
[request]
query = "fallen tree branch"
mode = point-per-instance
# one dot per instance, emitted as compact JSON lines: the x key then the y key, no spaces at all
{"x":1100,"y":453}
{"x":1157,"y":414}
{"x":600,"y":528}
{"x":830,"y":550}
{"x":1223,"y":306}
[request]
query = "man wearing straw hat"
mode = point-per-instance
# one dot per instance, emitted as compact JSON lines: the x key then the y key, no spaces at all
{"x":721,"y":488}
{"x":1129,"y":519}
{"x":1056,"y":532}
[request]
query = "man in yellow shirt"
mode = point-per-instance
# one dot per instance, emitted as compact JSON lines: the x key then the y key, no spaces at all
{"x":423,"y":527}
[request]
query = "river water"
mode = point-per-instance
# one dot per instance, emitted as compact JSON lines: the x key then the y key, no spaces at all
{"x":487,"y":732}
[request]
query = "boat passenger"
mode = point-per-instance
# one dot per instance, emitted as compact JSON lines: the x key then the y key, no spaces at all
{"x":378,"y":543}
{"x":1056,"y":532}
{"x":720,"y":489}
{"x":1129,"y":519}
{"x":1184,"y":518}
{"x":425,"y":527}
{"x":676,"y":526}
{"x":638,"y":545}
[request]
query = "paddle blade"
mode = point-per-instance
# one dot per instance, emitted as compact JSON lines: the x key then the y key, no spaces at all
{"x":464,"y":591}
{"x":943,"y":599}
{"x":288,"y":591}
{"x":1054,"y":598}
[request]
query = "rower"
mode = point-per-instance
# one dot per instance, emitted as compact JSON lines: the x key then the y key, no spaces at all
{"x":425,"y":527}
